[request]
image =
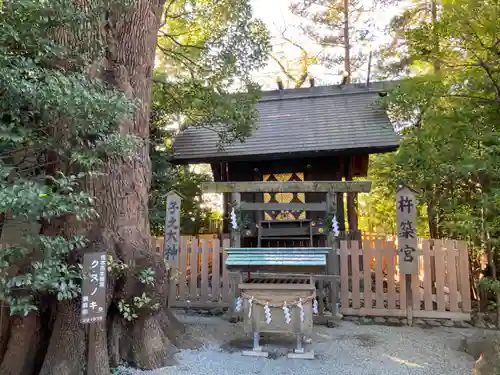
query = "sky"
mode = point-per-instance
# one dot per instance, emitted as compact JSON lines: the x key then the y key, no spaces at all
{"x":276,"y":15}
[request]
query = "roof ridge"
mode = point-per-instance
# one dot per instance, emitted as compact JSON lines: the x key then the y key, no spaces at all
{"x":328,"y":90}
{"x":313,"y":95}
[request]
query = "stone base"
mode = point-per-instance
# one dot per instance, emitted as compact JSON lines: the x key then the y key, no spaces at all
{"x":257,"y":352}
{"x":303,"y":355}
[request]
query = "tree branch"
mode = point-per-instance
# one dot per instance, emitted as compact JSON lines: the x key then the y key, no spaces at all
{"x":172,"y":38}
{"x":283,"y":68}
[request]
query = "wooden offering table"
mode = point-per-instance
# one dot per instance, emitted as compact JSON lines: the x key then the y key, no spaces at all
{"x":278,"y":295}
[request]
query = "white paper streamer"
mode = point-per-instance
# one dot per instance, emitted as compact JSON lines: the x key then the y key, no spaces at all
{"x":315,"y":306}
{"x":301,"y":308}
{"x":267,"y":311}
{"x":335,"y":226}
{"x":238,"y":304}
{"x":234,"y":222}
{"x":250,"y":301}
{"x":286,"y":311}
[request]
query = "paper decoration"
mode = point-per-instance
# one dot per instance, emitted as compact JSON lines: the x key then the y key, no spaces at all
{"x":267,"y":311}
{"x":250,"y":301}
{"x":335,"y":226}
{"x":238,"y":304}
{"x":286,"y":311}
{"x":283,"y":305}
{"x":301,"y":308}
{"x":234,"y":221}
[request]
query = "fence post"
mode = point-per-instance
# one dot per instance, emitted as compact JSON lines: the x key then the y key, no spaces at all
{"x":235,"y":277}
{"x":333,"y":258}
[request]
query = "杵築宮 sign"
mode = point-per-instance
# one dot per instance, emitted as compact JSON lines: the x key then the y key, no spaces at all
{"x":94,"y":288}
{"x":406,"y":218}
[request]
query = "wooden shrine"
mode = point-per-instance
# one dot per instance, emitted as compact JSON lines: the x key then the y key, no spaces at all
{"x":281,"y":281}
{"x":302,"y":135}
{"x":284,"y":188}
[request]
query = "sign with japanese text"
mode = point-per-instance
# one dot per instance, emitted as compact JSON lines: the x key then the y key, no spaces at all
{"x":172,"y":225}
{"x":406,"y":219}
{"x":94,"y":288}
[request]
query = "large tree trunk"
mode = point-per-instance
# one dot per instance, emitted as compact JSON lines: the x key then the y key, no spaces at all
{"x":38,"y":346}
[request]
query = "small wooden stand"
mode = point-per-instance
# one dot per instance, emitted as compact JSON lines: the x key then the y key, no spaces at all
{"x":269,"y":289}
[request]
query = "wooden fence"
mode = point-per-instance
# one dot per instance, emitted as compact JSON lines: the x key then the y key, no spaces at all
{"x":205,"y":285}
{"x":440,"y":290}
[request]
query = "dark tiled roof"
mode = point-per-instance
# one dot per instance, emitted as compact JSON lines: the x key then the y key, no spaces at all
{"x":298,"y":122}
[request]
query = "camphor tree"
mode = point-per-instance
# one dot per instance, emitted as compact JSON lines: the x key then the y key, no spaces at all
{"x":75,"y":83}
{"x":206,"y":52}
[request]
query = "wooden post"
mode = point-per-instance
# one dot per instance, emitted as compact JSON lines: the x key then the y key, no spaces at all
{"x":93,"y":303}
{"x":406,"y":214}
{"x":333,"y":259}
{"x":235,"y":232}
{"x":235,"y":241}
{"x":172,"y":229}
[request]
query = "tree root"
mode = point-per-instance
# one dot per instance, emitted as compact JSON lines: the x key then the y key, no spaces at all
{"x":4,"y":330}
{"x":23,"y":345}
{"x":56,"y":343}
{"x":66,"y":352}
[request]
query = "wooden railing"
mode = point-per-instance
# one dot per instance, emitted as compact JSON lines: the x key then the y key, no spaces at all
{"x":440,"y":290}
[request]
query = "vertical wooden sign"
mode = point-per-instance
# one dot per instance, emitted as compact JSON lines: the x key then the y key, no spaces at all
{"x":94,"y":288}
{"x":406,"y":215}
{"x":172,"y":225}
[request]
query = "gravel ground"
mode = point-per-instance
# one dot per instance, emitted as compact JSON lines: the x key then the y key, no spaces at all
{"x":349,"y":349}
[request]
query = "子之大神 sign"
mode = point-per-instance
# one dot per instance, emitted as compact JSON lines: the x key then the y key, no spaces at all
{"x":172,"y":225}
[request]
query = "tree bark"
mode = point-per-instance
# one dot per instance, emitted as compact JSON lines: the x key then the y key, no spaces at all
{"x":24,"y":342}
{"x":347,"y":43}
{"x":122,"y":230}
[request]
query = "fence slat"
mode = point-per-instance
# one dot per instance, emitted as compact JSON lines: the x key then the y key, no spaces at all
{"x":439,"y":260}
{"x":172,"y":279}
{"x":379,"y":277}
{"x":415,"y":291}
{"x":344,"y":275}
{"x":193,"y":270}
{"x":367,"y":275}
{"x":183,"y":268}
{"x":355,"y":251}
{"x":464,"y":273}
{"x":216,"y":270}
{"x":427,"y":275}
{"x":402,"y":288}
{"x":320,"y":293}
{"x":391,"y":271}
{"x":204,"y":270}
{"x":225,"y":273}
{"x":452,"y":274}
